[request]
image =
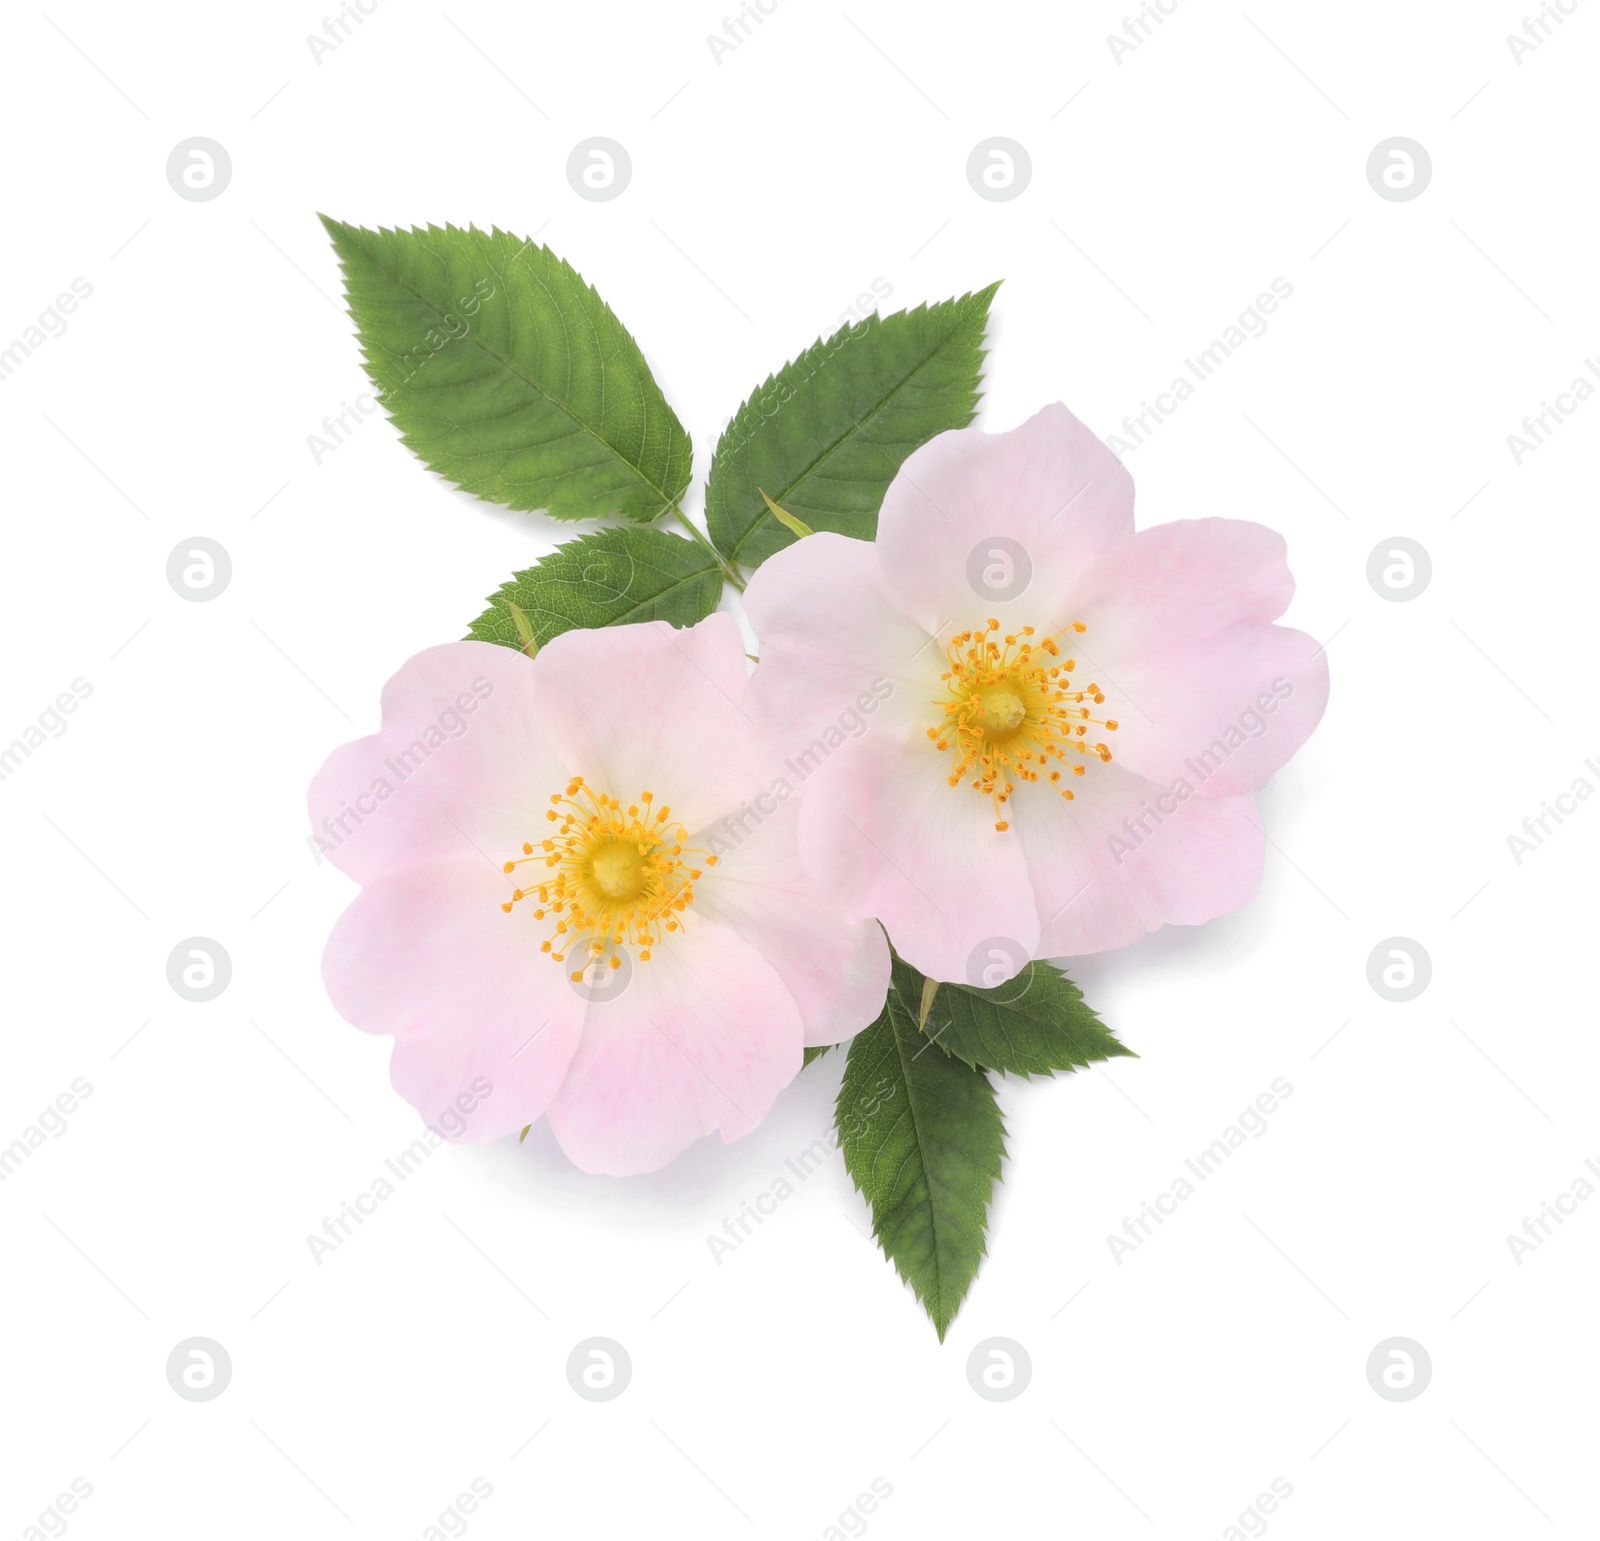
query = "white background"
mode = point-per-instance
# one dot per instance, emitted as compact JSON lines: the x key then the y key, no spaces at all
{"x":769,"y":190}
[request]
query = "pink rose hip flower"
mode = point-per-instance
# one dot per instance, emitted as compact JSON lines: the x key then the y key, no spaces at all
{"x":1076,"y":716}
{"x":552,"y":908}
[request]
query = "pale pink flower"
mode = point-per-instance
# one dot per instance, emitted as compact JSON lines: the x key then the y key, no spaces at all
{"x":606,"y":770}
{"x":1069,"y":719}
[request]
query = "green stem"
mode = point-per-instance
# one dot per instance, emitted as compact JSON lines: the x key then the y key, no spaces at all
{"x":730,"y":570}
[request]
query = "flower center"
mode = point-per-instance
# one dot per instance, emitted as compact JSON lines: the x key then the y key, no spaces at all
{"x":613,"y":876}
{"x":1011,"y":713}
{"x":1001,"y":710}
{"x":618,"y":870}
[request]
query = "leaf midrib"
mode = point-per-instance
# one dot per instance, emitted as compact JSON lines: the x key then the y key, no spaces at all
{"x":660,"y":594}
{"x":916,"y":1125}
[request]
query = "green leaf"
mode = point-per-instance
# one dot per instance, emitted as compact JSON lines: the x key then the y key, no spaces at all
{"x":922,"y":1139}
{"x":826,"y":434}
{"x":508,"y":374}
{"x":609,"y":578}
{"x":1035,"y":1024}
{"x":810,"y":1054}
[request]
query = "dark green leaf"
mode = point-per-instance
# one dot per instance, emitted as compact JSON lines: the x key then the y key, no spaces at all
{"x":826,"y":434}
{"x":922,"y":1139}
{"x":508,"y":374}
{"x":610,"y":578}
{"x":808,"y":1055}
{"x":1034,"y":1024}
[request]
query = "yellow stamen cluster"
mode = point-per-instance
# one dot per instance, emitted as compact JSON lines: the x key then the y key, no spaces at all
{"x":616,"y":876}
{"x":1012,"y":714}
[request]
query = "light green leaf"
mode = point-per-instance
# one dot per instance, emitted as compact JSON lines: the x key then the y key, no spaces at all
{"x":784,"y":517}
{"x":826,"y":434}
{"x":508,"y":374}
{"x":610,"y":578}
{"x":1034,"y":1024}
{"x":922,"y":1139}
{"x":526,"y":641}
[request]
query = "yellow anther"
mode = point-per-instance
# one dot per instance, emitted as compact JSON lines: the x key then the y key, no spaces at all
{"x":1011,"y":714}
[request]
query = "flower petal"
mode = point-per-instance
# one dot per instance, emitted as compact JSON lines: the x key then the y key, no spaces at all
{"x":1224,"y":714}
{"x":883,"y":833}
{"x":837,"y":971}
{"x":836,"y":650}
{"x":1176,"y":584}
{"x":427,"y":954}
{"x":1125,"y":857}
{"x":1050,"y":487}
{"x":460,"y":762}
{"x":704,"y":1037}
{"x":651,"y":708}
